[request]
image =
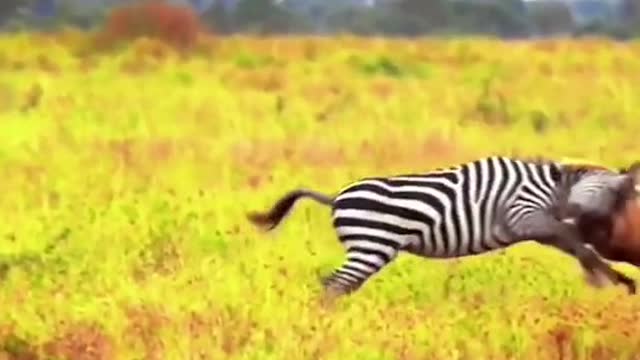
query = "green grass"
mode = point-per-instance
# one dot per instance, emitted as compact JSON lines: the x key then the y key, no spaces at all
{"x":125,"y":192}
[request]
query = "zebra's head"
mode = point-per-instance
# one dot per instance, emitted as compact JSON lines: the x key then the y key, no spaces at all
{"x":571,"y":173}
{"x":587,"y":188}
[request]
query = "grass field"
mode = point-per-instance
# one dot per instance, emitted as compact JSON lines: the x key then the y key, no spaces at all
{"x":126,"y":178}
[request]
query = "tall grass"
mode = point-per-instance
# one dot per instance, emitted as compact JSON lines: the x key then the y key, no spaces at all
{"x":126,"y":177}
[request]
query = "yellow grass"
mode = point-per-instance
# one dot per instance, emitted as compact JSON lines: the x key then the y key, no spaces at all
{"x":126,"y":178}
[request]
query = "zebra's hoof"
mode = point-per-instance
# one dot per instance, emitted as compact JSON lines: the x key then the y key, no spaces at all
{"x":323,"y":279}
{"x":629,"y":283}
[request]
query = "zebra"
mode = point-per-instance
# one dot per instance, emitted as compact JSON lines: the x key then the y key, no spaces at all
{"x":463,"y":210}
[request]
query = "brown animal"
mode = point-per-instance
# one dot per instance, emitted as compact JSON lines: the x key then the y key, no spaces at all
{"x":625,"y":240}
{"x":616,"y":237}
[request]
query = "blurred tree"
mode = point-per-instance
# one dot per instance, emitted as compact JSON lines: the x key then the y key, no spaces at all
{"x":44,"y":8}
{"x":401,"y":17}
{"x":265,"y":16}
{"x":378,"y":21}
{"x":84,"y":17}
{"x":551,"y":17}
{"x":219,"y":18}
{"x":506,"y":18}
{"x":631,"y":11}
{"x":426,"y":15}
{"x":10,"y":8}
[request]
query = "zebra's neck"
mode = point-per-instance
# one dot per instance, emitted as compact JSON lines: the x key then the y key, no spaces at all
{"x":572,"y":174}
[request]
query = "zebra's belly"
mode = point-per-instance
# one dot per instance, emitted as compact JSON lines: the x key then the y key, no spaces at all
{"x":432,"y":246}
{"x":453,"y":252}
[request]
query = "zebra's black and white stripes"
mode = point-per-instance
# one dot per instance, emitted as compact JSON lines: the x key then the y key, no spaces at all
{"x":469,"y":209}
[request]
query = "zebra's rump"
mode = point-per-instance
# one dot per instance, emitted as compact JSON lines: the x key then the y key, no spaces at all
{"x":415,"y":214}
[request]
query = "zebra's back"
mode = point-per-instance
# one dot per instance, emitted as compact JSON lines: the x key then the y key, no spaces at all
{"x":444,"y":213}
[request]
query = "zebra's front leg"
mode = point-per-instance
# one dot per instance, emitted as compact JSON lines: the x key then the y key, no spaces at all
{"x":567,"y":240}
{"x":592,"y":264}
{"x":524,"y":223}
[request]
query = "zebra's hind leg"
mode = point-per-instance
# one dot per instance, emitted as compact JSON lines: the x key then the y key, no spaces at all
{"x":335,"y":287}
{"x":358,"y":267}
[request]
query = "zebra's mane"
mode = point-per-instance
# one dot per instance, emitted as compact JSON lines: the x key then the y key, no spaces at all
{"x":537,"y":160}
{"x":567,"y":165}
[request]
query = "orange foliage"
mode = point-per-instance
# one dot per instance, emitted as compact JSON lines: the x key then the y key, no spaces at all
{"x":81,"y":342}
{"x":176,"y":25}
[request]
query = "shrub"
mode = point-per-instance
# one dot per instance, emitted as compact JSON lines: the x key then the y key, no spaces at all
{"x":176,"y":25}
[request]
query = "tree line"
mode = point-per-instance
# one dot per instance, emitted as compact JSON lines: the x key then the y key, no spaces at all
{"x":504,"y":18}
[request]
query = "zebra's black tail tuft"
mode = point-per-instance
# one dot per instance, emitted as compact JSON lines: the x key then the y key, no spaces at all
{"x":272,"y":218}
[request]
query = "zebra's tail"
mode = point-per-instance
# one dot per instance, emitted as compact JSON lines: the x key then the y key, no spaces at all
{"x":271,"y":218}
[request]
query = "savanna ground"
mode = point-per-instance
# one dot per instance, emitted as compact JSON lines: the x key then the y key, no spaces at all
{"x":126,"y":178}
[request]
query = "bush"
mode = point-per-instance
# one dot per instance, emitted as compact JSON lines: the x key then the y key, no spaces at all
{"x":176,"y":25}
